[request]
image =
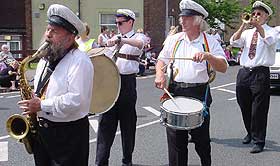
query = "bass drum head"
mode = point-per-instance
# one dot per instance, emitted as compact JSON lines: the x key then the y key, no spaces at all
{"x":106,"y":84}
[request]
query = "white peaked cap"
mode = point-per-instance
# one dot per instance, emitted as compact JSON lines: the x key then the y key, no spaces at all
{"x":191,"y":8}
{"x":62,"y":16}
{"x":266,"y":8}
{"x":125,"y":13}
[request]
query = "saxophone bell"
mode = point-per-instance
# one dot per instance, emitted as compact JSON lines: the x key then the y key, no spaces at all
{"x":17,"y":126}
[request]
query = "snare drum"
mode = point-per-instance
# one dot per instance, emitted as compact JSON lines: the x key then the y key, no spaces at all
{"x":186,"y":114}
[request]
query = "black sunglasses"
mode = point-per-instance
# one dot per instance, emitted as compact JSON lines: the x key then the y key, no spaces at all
{"x":120,"y":22}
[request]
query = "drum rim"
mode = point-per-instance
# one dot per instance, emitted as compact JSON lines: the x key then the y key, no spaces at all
{"x":181,"y":128}
{"x":179,"y":113}
{"x":119,"y":84}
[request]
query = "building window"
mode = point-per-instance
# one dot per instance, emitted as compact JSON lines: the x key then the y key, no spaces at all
{"x":108,"y":20}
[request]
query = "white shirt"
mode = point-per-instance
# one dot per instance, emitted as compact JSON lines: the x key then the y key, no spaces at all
{"x":69,"y":91}
{"x":265,"y":51}
{"x":278,"y":31}
{"x":189,"y":71}
{"x":130,"y":66}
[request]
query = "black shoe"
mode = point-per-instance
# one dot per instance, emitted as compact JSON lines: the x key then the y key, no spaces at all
{"x":128,"y":164}
{"x":257,"y":149}
{"x":247,"y":139}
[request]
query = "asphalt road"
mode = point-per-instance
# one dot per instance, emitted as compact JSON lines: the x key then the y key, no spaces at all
{"x":226,"y":126}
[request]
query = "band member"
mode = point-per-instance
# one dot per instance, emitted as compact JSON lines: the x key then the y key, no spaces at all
{"x":63,"y":130}
{"x":253,"y":83}
{"x":191,"y":78}
{"x":123,"y":111}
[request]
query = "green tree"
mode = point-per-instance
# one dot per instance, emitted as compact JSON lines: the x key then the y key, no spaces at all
{"x":226,"y":11}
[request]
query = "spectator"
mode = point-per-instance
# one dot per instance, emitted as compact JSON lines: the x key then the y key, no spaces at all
{"x":5,"y":55}
{"x":173,"y":30}
{"x":112,"y":33}
{"x":84,"y":41}
{"x":8,"y":76}
{"x":216,"y":35}
{"x":103,"y":37}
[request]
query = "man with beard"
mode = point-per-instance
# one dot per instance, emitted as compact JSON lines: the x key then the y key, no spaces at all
{"x":63,"y":94}
{"x":190,"y":78}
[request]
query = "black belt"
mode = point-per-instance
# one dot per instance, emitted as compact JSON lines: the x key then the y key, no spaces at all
{"x":128,"y":75}
{"x":188,"y":85}
{"x":47,"y":123}
{"x":128,"y":57}
{"x":257,"y":68}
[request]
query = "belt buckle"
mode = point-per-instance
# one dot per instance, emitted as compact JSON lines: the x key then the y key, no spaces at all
{"x":42,"y":123}
{"x":126,"y":57}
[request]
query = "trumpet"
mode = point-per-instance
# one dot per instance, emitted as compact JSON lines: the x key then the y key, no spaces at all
{"x":247,"y":17}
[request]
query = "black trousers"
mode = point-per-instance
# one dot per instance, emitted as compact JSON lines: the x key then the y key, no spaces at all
{"x":124,"y":112}
{"x":253,"y":97}
{"x":5,"y":80}
{"x":62,"y":144}
{"x":178,"y":139}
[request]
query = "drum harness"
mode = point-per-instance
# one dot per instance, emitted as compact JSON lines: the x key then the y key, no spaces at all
{"x":171,"y":76}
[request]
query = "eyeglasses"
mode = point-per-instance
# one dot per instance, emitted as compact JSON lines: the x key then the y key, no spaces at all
{"x":256,"y":14}
{"x":120,"y":22}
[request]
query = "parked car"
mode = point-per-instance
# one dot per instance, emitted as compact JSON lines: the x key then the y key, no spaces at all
{"x":275,"y":69}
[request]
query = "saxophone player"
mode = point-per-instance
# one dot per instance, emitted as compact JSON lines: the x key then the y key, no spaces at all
{"x":62,"y":94}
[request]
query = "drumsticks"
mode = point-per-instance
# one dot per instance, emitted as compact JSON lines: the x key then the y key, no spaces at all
{"x":180,"y":58}
{"x":172,"y":99}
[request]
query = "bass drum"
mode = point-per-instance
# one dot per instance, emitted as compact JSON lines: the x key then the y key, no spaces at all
{"x":106,"y":81}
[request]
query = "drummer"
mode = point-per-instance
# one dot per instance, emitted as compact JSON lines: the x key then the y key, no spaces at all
{"x":131,"y":45}
{"x":189,"y":78}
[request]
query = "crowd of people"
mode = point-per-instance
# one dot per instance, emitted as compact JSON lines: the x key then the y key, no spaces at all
{"x":63,"y":95}
{"x":8,"y":69}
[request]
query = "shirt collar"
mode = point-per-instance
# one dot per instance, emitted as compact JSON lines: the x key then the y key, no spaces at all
{"x":128,"y":34}
{"x":185,"y":37}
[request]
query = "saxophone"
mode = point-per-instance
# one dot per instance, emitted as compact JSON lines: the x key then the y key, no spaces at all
{"x":19,"y":127}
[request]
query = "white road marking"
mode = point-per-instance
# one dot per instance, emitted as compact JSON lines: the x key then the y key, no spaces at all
{"x":3,"y":151}
{"x":94,"y":124}
{"x":234,"y":98}
{"x":4,"y":137}
{"x":221,"y":86}
{"x":226,"y":90}
{"x":15,"y":96}
{"x":1,"y":97}
{"x":137,"y":127}
{"x":152,"y":110}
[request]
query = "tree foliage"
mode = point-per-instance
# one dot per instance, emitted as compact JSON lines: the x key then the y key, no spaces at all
{"x":226,"y":11}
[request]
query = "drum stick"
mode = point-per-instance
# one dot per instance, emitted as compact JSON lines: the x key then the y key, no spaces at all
{"x":172,"y":99}
{"x":182,"y":58}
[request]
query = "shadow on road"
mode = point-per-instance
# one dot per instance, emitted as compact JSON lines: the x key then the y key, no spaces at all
{"x":237,"y":143}
{"x":158,"y":165}
{"x":274,"y":91}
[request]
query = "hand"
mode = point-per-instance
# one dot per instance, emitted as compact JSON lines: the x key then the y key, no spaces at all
{"x":160,"y":81}
{"x":30,"y":106}
{"x":255,"y":21}
{"x":114,"y":41}
{"x":200,"y":56}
